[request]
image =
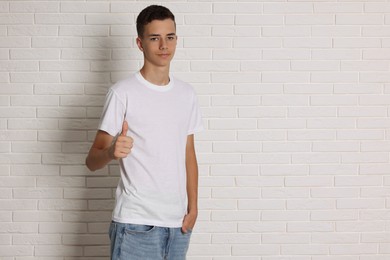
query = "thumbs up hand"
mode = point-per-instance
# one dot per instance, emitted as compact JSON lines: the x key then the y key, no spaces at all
{"x":121,"y":147}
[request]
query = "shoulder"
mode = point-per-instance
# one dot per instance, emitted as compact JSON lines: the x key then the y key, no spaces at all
{"x":123,"y":85}
{"x":184,"y":86}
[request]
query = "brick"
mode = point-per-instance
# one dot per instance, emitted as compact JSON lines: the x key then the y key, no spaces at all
{"x":239,"y":193}
{"x":236,"y":54}
{"x":261,"y":112}
{"x":245,"y":250}
{"x":59,"y":18}
{"x":286,"y":31}
{"x":365,"y":157}
{"x":336,"y":54}
{"x":360,"y":203}
{"x":333,"y":169}
{"x":35,"y":147}
{"x":318,"y":226}
{"x":86,"y":30}
{"x":336,"y":146}
{"x":258,"y":19}
{"x":284,"y":170}
{"x":261,"y":205}
{"x":286,"y":147}
{"x":313,"y":88}
{"x":206,"y":19}
{"x":315,"y":65}
{"x":24,"y":158}
{"x":368,"y":88}
{"x":283,"y":215}
{"x":89,"y":217}
{"x":260,"y":227}
{"x":304,"y":249}
{"x":315,"y":158}
{"x":244,"y":77}
{"x":37,"y":216}
{"x":308,"y":19}
{"x":33,"y":239}
{"x":310,"y":112}
{"x":286,"y":54}
{"x":87,"y":194}
{"x":234,"y":216}
{"x":59,"y":89}
{"x":336,"y":30}
{"x":266,"y":158}
{"x":284,"y":193}
{"x":34,"y":7}
{"x":213,"y":250}
{"x":109,"y":19}
{"x":376,"y":54}
{"x":63,"y":65}
{"x":218,"y":124}
{"x":331,"y":123}
{"x":353,"y":249}
{"x":58,"y":250}
{"x":35,"y":30}
{"x":238,"y":8}
{"x":360,"y":134}
{"x":321,"y":192}
{"x":285,"y":100}
{"x":14,"y":42}
{"x":8,"y":19}
{"x":338,"y":7}
{"x":281,"y":123}
{"x":334,"y":215}
{"x":264,"y":181}
{"x":56,"y":42}
{"x":250,"y":42}
{"x":236,"y":147}
{"x":229,"y":31}
{"x":16,"y":250}
{"x":219,"y":112}
{"x":61,"y":204}
{"x":352,"y":19}
{"x":34,"y":54}
{"x":69,"y":112}
{"x":356,"y":43}
{"x":87,"y":7}
{"x":374,"y":169}
{"x":284,"y":8}
{"x":258,"y":135}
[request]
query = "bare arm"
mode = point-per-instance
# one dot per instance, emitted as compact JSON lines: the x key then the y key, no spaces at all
{"x":192,"y":185}
{"x":105,"y":148}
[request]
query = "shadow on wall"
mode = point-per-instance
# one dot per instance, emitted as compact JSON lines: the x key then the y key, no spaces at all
{"x":88,"y":197}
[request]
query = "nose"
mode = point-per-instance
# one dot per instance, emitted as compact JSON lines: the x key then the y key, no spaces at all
{"x":163,"y":44}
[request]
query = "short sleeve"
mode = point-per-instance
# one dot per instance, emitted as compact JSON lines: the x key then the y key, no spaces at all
{"x":195,"y":124}
{"x":113,"y":114}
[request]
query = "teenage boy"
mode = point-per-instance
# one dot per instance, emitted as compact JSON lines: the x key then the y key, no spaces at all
{"x":148,"y":124}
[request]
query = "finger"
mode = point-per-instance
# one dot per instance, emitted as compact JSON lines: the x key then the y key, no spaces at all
{"x":184,"y":229}
{"x":125,"y":127}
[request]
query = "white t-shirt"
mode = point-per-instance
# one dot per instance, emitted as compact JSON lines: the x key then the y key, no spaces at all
{"x":152,"y":188}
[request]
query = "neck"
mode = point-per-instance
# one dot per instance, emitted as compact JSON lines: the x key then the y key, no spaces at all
{"x":155,"y":75}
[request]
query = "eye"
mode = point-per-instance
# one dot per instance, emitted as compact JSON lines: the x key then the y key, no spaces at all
{"x":171,"y":38}
{"x":153,"y":39}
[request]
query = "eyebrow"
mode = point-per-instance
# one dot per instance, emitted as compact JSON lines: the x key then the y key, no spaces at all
{"x":155,"y":34}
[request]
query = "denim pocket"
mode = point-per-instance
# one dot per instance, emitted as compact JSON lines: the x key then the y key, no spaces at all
{"x":134,"y":228}
{"x":112,"y":229}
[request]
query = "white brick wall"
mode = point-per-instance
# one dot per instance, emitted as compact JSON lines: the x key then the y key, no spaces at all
{"x":295,"y":98}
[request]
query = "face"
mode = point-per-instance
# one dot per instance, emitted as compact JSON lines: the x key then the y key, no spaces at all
{"x":158,"y":42}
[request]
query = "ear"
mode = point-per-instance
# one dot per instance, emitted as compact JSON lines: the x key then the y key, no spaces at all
{"x":139,"y":43}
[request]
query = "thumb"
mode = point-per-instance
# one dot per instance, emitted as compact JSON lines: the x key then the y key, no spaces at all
{"x":125,"y":127}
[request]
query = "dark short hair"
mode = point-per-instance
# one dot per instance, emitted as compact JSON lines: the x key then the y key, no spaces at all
{"x":151,"y":13}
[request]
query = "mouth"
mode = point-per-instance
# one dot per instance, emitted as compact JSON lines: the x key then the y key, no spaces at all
{"x":164,"y":55}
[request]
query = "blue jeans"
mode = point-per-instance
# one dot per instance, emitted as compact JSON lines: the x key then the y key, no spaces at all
{"x":141,"y":242}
